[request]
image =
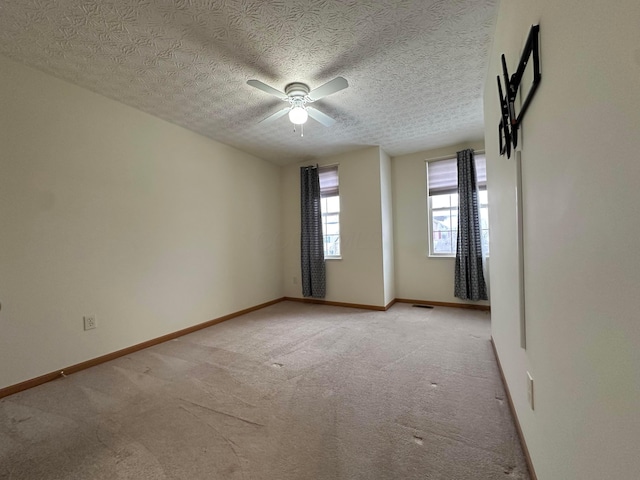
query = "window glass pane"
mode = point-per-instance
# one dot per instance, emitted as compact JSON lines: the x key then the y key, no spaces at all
{"x":454,"y":220}
{"x":485,"y":241}
{"x":331,"y":225}
{"x":441,"y":220}
{"x":332,"y":229}
{"x":332,"y":204}
{"x":483,"y":197}
{"x":442,"y":242}
{"x":332,"y":245}
{"x":454,"y":199}
{"x":440,"y":201}
{"x":484,"y":217}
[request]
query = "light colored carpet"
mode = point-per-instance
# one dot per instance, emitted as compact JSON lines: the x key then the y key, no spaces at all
{"x":293,"y":391}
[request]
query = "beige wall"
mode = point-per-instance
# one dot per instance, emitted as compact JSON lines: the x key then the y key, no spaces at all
{"x":418,"y":276}
{"x":581,"y":230}
{"x":359,"y":276}
{"x":106,"y":210}
{"x":386,"y":198}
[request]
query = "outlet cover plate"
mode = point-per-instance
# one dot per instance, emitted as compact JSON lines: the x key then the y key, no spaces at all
{"x":90,"y":322}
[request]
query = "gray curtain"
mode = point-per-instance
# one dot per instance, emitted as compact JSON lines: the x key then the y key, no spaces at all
{"x":469,"y":276}
{"x":311,"y":242}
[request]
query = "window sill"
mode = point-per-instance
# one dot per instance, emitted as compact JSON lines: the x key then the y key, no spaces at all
{"x":333,"y":258}
{"x":441,"y":256}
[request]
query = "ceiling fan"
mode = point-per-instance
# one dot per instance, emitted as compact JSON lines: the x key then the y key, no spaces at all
{"x":299,"y":96}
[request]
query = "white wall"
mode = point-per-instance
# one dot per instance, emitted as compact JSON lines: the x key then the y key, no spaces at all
{"x":109,"y":211}
{"x":359,"y":276}
{"x":418,"y":276}
{"x":582,"y":268}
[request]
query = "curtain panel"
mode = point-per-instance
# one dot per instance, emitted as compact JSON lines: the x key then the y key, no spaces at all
{"x":311,"y":240}
{"x":469,"y":275}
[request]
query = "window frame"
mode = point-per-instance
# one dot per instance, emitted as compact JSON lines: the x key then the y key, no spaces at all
{"x":332,"y":191}
{"x":432,"y":253}
{"x":451,"y":191}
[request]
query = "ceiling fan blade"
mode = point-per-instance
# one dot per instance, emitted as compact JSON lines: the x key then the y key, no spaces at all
{"x":320,"y":117}
{"x":275,"y":116}
{"x":267,"y":89}
{"x":332,"y":86}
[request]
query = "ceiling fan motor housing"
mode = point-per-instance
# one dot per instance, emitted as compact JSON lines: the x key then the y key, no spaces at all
{"x":296,"y":89}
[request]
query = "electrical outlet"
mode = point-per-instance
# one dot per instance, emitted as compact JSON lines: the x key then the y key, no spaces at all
{"x":90,"y":322}
{"x":530,"y":390}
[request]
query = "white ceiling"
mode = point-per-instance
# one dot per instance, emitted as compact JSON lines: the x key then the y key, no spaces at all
{"x":415,"y":68}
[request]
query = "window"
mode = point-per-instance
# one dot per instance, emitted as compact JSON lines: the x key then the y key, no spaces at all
{"x":442,"y":201}
{"x":330,"y":206}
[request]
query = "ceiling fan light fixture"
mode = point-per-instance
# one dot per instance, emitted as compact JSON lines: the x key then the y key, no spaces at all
{"x":298,"y":115}
{"x":298,"y":95}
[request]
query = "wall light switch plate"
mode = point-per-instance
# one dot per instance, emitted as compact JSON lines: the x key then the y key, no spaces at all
{"x":530,"y":390}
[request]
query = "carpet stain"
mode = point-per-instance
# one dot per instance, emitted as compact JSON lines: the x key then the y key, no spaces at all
{"x":434,"y":385}
{"x":20,"y":420}
{"x":418,"y":440}
{"x":278,"y":365}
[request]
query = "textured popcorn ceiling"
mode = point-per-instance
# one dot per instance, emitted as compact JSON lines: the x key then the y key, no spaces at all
{"x":415,"y":67}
